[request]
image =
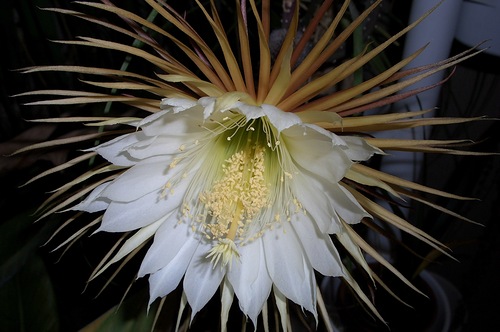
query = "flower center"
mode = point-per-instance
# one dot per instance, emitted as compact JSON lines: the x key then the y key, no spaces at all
{"x":235,"y":200}
{"x":239,"y":195}
{"x":244,"y":188}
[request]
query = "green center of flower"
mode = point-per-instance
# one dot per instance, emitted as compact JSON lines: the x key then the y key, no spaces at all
{"x":242,"y":191}
{"x":245,"y":184}
{"x":239,"y":195}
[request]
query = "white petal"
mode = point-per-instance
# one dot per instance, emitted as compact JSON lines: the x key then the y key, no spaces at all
{"x":132,"y":243}
{"x":249,"y":111}
{"x":311,"y":194}
{"x":94,"y":202}
{"x":226,"y":301}
{"x":358,"y":149}
{"x":279,"y":119}
{"x":172,"y":124}
{"x":138,"y":181}
{"x":326,"y":201}
{"x":123,"y":217}
{"x":319,"y":248}
{"x":170,"y":239}
{"x":319,"y":157}
{"x":153,"y":117}
{"x":201,"y":279}
{"x":114,"y":151}
{"x":208,"y":104}
{"x":162,"y":146}
{"x":289,"y":270}
{"x":250,"y":279}
{"x":335,"y":139}
{"x":177,"y":104}
{"x":165,"y":280}
{"x":346,"y":205}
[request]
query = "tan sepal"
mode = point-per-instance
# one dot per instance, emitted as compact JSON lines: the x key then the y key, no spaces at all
{"x":78,"y":233}
{"x":114,"y":121}
{"x":355,"y":287}
{"x":376,"y":125}
{"x":59,"y":142}
{"x":264,"y":55}
{"x":379,"y":258}
{"x":428,"y":146}
{"x":435,"y":206}
{"x":229,"y":57}
{"x":61,"y":167}
{"x":378,"y":211}
{"x":404,"y":183}
{"x":359,"y":177}
{"x":70,"y":200}
{"x":207,"y":88}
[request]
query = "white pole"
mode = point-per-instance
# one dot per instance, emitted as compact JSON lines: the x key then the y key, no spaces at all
{"x":438,"y":29}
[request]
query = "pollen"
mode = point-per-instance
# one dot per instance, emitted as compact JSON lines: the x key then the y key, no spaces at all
{"x":174,"y":163}
{"x":235,"y":200}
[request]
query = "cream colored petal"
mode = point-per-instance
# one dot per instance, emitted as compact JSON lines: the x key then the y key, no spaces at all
{"x":358,"y":149}
{"x":165,"y":280}
{"x":279,"y":119}
{"x":227,"y":295}
{"x":138,"y":181}
{"x":114,"y":151}
{"x":132,"y":243}
{"x":202,"y":279}
{"x":93,"y":202}
{"x":126,"y":216}
{"x":316,"y":154}
{"x":318,"y":247}
{"x":250,"y":279}
{"x":316,"y":202}
{"x":170,"y":240}
{"x":290,"y":271}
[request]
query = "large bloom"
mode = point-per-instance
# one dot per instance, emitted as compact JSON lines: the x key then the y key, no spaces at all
{"x":231,"y":191}
{"x":244,"y":171}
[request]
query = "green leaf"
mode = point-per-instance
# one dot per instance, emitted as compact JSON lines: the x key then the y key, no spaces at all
{"x":27,"y":300}
{"x":130,"y":316}
{"x":19,"y":240}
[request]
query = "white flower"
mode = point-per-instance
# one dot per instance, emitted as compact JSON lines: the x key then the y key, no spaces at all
{"x":246,"y":171}
{"x":231,"y":191}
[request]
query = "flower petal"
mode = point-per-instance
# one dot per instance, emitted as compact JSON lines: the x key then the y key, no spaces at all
{"x":175,"y":125}
{"x":290,"y":272}
{"x":317,"y":155}
{"x":132,"y":243}
{"x":318,"y":247}
{"x":94,"y":202}
{"x":279,"y":119}
{"x":201,"y":279}
{"x":346,"y":205}
{"x":138,"y":181}
{"x":177,"y":104}
{"x":126,"y":216}
{"x":165,"y":280}
{"x":358,"y":150}
{"x":313,"y":198}
{"x":250,"y":279}
{"x":170,"y":240}
{"x":161,"y":146}
{"x":114,"y":151}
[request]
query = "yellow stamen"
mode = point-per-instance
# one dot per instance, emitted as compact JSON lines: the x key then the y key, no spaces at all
{"x":235,"y":200}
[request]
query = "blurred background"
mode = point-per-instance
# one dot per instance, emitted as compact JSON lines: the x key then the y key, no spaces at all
{"x":44,"y":290}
